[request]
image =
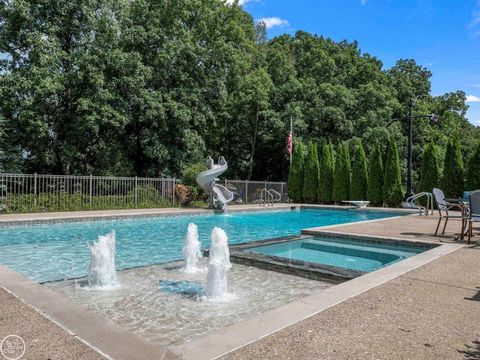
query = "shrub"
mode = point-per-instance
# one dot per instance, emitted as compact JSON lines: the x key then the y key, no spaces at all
{"x":473,"y":174}
{"x":453,"y":171}
{"x":325,"y":181}
{"x":183,"y":194}
{"x":392,"y":184}
{"x":375,"y":177}
{"x":358,"y":189}
{"x":341,"y":184}
{"x":310,"y":180}
{"x":430,"y":169}
{"x":190,"y":173}
{"x":295,"y":175}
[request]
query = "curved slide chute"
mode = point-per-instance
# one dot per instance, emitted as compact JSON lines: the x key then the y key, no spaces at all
{"x":206,"y":180}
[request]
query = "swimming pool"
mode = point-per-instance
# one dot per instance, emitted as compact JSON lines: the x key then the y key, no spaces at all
{"x":55,"y":251}
{"x":347,"y":254}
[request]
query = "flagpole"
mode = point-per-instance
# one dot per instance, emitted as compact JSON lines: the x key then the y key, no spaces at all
{"x":291,"y":132}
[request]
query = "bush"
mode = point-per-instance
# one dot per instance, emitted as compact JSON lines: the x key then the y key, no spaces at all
{"x":453,"y":171}
{"x":183,"y":194}
{"x":430,"y":169}
{"x":190,"y":173}
{"x":147,"y":197}
{"x":295,"y":175}
{"x":375,"y":177}
{"x":310,"y":181}
{"x":392,"y":184}
{"x":325,"y":181}
{"x":473,"y":174}
{"x":358,"y":189}
{"x":341,"y":184}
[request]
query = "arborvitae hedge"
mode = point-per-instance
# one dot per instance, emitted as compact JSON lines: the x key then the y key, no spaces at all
{"x":430,"y":170}
{"x":375,"y":177}
{"x":327,"y":166}
{"x":358,"y":189}
{"x":310,"y":180}
{"x":473,"y":174}
{"x":392,"y":181}
{"x":341,"y":184}
{"x":453,"y":171}
{"x":295,"y":176}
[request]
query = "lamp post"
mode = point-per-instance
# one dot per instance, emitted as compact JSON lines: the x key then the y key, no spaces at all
{"x":433,"y":119}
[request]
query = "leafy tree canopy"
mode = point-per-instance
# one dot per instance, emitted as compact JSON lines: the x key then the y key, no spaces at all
{"x":148,"y":87}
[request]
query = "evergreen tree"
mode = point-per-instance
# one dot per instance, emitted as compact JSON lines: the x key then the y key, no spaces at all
{"x":358,"y":189}
{"x":310,"y":181}
{"x":341,"y":184}
{"x":375,"y":177}
{"x":327,"y":165}
{"x":473,"y":175}
{"x":453,"y":171}
{"x":392,"y":184}
{"x":295,"y":176}
{"x":430,"y":170}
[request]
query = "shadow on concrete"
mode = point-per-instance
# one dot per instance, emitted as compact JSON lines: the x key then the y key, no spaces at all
{"x":475,"y":297}
{"x":472,"y":351}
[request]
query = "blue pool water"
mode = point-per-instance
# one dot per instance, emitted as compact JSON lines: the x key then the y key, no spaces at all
{"x":348,"y":254}
{"x":58,"y":251}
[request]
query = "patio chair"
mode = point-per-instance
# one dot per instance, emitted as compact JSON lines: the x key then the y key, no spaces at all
{"x":444,"y":206}
{"x":474,"y":214}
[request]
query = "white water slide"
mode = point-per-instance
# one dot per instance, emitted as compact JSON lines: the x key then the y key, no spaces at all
{"x":206,"y":180}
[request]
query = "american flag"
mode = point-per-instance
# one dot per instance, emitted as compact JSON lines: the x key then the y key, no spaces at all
{"x":290,"y":143}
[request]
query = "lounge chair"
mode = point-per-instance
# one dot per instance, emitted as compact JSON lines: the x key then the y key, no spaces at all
{"x":474,"y":215}
{"x":444,"y":206}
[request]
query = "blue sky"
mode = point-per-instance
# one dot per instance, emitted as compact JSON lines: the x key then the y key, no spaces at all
{"x":443,"y":35}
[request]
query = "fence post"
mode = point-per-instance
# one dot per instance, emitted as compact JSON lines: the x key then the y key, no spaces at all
{"x":136,"y":192}
{"x":281,"y":191}
{"x":173,"y":191}
{"x":90,"y":186}
{"x":246,"y":191}
{"x":35,"y":189}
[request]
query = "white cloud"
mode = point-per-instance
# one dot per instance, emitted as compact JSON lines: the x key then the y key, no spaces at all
{"x":473,"y":99}
{"x":271,"y":22}
{"x":240,"y":2}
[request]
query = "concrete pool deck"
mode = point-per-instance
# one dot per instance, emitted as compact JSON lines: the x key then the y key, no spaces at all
{"x":445,"y":275}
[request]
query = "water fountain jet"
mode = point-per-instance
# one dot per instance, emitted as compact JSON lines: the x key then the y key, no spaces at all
{"x":102,"y":274}
{"x":218,"y":265}
{"x":192,"y":250}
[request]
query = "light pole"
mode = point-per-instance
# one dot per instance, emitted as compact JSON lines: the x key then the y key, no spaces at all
{"x":433,"y":119}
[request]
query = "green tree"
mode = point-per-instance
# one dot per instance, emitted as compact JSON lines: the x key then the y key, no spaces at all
{"x":327,"y":166}
{"x":430,"y":171}
{"x":341,"y":184}
{"x":310,"y":181}
{"x":358,"y":189}
{"x":375,"y":177}
{"x":473,"y":173}
{"x":392,"y":183}
{"x":453,"y":171}
{"x":296,"y":174}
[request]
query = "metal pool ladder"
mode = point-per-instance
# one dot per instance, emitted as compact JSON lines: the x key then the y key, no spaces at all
{"x":410,"y":203}
{"x":266,"y":197}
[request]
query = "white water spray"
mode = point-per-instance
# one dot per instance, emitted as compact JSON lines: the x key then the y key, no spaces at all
{"x":191,"y":250}
{"x":218,"y":265}
{"x":102,"y":273}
